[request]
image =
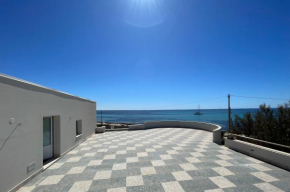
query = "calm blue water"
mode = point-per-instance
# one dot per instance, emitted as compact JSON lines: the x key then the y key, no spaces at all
{"x":216,"y":116}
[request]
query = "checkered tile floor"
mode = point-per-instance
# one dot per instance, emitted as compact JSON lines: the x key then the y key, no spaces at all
{"x":165,"y":159}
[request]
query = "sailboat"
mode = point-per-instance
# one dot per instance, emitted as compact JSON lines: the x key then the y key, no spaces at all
{"x":198,"y":112}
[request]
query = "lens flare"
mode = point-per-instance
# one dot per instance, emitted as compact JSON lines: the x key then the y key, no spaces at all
{"x":145,"y":13}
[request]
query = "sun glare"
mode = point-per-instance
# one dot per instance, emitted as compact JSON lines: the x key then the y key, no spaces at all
{"x":145,"y":13}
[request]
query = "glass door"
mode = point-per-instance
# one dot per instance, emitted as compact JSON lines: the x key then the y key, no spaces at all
{"x":47,"y":138}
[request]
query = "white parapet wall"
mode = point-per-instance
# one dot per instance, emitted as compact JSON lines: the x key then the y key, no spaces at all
{"x":23,"y":108}
{"x":101,"y":129}
{"x":278,"y":158}
{"x":137,"y":127}
{"x":216,"y":129}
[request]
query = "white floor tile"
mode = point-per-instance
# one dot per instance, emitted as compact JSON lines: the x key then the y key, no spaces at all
{"x":134,"y":181}
{"x":132,"y":159}
{"x":150,"y":150}
{"x":76,"y":170}
{"x":26,"y":189}
{"x":187,"y":166}
{"x":51,"y":180}
{"x":74,"y":159}
{"x":156,"y":163}
{"x":148,"y":170}
{"x":264,"y":176}
{"x":223,"y":171}
{"x":109,"y":157}
{"x":224,"y":157}
{"x":102,"y":150}
{"x":260,"y":167}
{"x":181,"y":175}
{"x":119,"y":166}
{"x":120,"y":189}
{"x":95,"y":162}
{"x":267,"y":187}
{"x":193,"y":160}
{"x":103,"y":175}
{"x":165,"y":157}
{"x":56,"y":166}
{"x":223,"y":163}
{"x":81,"y":186}
{"x":142,"y":154}
{"x":172,"y":187}
{"x":197,"y":154}
{"x":255,"y":160}
{"x":172,"y":152}
{"x":222,"y":182}
{"x":214,"y":190}
{"x":121,"y":152}
{"x":89,"y":154}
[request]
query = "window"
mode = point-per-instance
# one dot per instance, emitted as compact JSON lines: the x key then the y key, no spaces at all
{"x":78,"y":127}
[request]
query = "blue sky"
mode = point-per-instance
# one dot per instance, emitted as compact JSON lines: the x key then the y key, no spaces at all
{"x":150,"y":54}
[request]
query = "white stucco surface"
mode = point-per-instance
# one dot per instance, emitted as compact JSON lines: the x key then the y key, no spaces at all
{"x":278,"y":158}
{"x":22,"y":108}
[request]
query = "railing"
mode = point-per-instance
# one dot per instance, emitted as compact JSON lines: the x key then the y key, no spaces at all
{"x":268,"y":144}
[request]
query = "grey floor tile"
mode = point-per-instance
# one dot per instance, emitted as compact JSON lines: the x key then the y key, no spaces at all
{"x":154,"y":188}
{"x":203,"y":173}
{"x":104,"y":184}
{"x":240,"y":169}
{"x":282,"y":184}
{"x":244,"y":179}
{"x":197,"y":185}
{"x":279,"y":173}
{"x":243,"y":188}
{"x":136,"y":189}
{"x":168,"y":169}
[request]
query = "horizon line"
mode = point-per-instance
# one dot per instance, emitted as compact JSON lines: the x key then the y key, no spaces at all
{"x":171,"y":109}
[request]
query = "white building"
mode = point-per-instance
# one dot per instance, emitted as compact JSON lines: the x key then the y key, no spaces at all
{"x":36,"y":124}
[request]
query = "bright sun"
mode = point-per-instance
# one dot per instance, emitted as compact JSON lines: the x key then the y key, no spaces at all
{"x":145,"y":13}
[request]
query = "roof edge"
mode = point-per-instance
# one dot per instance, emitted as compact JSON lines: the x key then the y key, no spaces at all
{"x":43,"y":87}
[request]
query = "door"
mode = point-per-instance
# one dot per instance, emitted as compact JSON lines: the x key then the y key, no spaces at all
{"x":47,"y":138}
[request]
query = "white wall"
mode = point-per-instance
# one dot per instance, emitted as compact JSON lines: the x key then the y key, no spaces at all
{"x":183,"y":124}
{"x":28,"y":104}
{"x":278,"y":158}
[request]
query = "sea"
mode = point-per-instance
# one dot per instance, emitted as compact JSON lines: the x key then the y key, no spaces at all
{"x":216,"y":116}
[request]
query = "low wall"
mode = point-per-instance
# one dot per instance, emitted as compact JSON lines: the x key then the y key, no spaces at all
{"x":137,"y":127}
{"x":278,"y":158}
{"x":100,"y":129}
{"x":182,"y":124}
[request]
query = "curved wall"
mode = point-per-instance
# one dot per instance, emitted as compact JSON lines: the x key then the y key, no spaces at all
{"x":216,"y":129}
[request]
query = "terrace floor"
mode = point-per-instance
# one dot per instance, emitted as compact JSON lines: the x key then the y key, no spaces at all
{"x":164,"y":159}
